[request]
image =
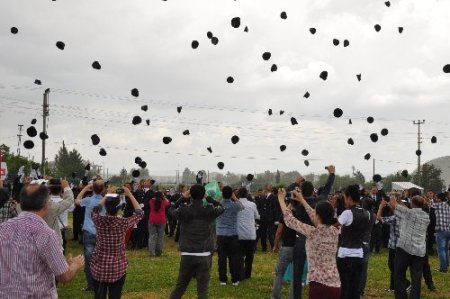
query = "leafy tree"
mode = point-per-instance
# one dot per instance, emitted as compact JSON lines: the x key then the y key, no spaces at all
{"x":277,"y":177}
{"x":188,"y":176}
{"x":430,"y":178}
{"x":121,"y":179}
{"x":67,"y":162}
{"x":359,"y":177}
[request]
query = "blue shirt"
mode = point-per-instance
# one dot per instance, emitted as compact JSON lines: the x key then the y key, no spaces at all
{"x":246,"y":220}
{"x":226,"y":223}
{"x":90,"y":203}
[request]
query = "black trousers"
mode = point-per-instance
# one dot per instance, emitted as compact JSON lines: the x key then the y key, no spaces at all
{"x":298,"y":262}
{"x":197,"y":267}
{"x":262,"y":235}
{"x":172,"y":224}
{"x":228,"y":250}
{"x":350,"y":273}
{"x":114,"y":289}
{"x":140,"y":234}
{"x":427,"y":276}
{"x":377,"y":237}
{"x":246,"y":254}
{"x":403,"y":260}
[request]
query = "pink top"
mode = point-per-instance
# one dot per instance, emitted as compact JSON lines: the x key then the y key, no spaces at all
{"x":158,"y":217}
{"x":321,"y":248}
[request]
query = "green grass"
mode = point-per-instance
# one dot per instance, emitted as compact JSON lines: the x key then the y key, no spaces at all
{"x":154,"y":277}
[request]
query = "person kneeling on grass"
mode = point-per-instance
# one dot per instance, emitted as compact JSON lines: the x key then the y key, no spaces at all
{"x":109,"y":260}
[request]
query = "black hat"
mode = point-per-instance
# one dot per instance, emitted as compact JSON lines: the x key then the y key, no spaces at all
{"x":274,"y":68}
{"x":179,"y":109}
{"x":433,"y":139}
{"x":135,"y":92}
{"x":400,"y":29}
{"x":186,"y":132}
{"x":323,"y":75}
{"x":269,"y":111}
{"x":283,"y":15}
{"x":143,"y":164}
{"x":358,"y":76}
{"x":305,"y":152}
{"x":418,"y":152}
{"x":95,"y":139}
{"x":33,"y":121}
{"x":236,"y":22}
{"x":220,"y":165}
{"x":14,"y":30}
{"x":31,"y":131}
{"x":405,"y":173}
{"x":37,"y":82}
{"x":214,"y":40}
{"x":209,"y":149}
{"x":135,"y":173}
{"x":148,"y":122}
{"x":43,"y":136}
{"x":209,"y":34}
{"x":282,"y":148}
{"x":234,"y":139}
{"x":377,"y":27}
{"x":152,"y":182}
{"x":96,"y":65}
{"x":246,"y":29}
{"x":266,"y":55}
{"x":335,"y":42}
{"x":230,"y":79}
{"x":249,"y":177}
{"x":137,"y":160}
{"x":346,"y":43}
{"x":87,"y":167}
{"x":337,"y":112}
{"x":306,"y":95}
{"x":60,"y":45}
{"x":54,"y":182}
{"x":28,"y":144}
{"x":376,"y":178}
{"x":167,"y":140}
{"x":144,"y":107}
{"x":136,"y":120}
{"x":446,"y":68}
{"x":102,"y":152}
{"x":350,"y":121}
{"x":350,"y":141}
{"x":281,"y":112}
{"x":387,"y":3}
{"x":312,"y":30}
{"x":194,"y":44}
{"x":306,"y":163}
{"x":294,"y":121}
{"x":384,"y":132}
{"x":374,"y":137}
{"x":367,"y":156}
{"x":370,"y":119}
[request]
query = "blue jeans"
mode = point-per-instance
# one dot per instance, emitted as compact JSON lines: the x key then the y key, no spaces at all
{"x":89,"y":245}
{"x":442,"y":241}
{"x":285,"y":257}
{"x":155,"y":238}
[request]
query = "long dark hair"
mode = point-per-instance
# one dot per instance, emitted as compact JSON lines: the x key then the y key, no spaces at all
{"x":158,"y":200}
{"x":326,"y":213}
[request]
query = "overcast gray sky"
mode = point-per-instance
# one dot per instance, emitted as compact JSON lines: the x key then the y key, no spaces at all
{"x":147,"y":45}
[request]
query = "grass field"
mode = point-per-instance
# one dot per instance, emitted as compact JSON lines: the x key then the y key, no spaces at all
{"x":154,"y":277}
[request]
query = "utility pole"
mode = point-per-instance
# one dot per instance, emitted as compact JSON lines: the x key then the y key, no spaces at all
{"x":419,"y":141}
{"x":45,"y":114}
{"x":373,"y":168}
{"x":19,"y":139}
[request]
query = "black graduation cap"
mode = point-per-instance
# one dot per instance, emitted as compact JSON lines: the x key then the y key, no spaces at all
{"x":209,"y":34}
{"x":306,"y":163}
{"x":370,"y":119}
{"x":282,"y":148}
{"x":312,"y":30}
{"x":294,"y":121}
{"x":194,"y":44}
{"x":96,"y":65}
{"x":281,"y":112}
{"x":137,"y":160}
{"x":283,"y":15}
{"x":323,"y":75}
{"x":31,"y":131}
{"x":179,"y":108}
{"x":209,"y":149}
{"x":377,"y":178}
{"x":446,"y":68}
{"x":335,"y":42}
{"x":305,"y":152}
{"x":136,"y":120}
{"x":350,"y":121}
{"x":249,"y":177}
{"x":246,"y":29}
{"x":214,"y":40}
{"x":230,"y":79}
{"x":144,"y":107}
{"x":400,"y":29}
{"x":28,"y":144}
{"x":387,"y":3}
{"x":143,"y":164}
{"x":95,"y":139}
{"x":14,"y":30}
{"x":102,"y":152}
{"x":148,"y":122}
{"x":87,"y":167}
{"x":405,"y":173}
{"x":384,"y":132}
{"x":337,"y":112}
{"x":236,"y":22}
{"x":433,"y":139}
{"x":43,"y":136}
{"x":374,"y":137}
{"x":135,"y":173}
{"x":358,"y":76}
{"x":350,"y":141}
{"x":186,"y":132}
{"x":266,"y":55}
{"x":367,"y":156}
{"x":60,"y":45}
{"x":269,"y":112}
{"x":274,"y":68}
{"x":220,"y":165}
{"x":418,"y":152}
{"x":135,"y":92}
{"x":306,"y":95}
{"x":346,"y":43}
{"x":167,"y":140}
{"x":377,"y":27}
{"x":234,"y":139}
{"x":37,"y":82}
{"x":33,"y":121}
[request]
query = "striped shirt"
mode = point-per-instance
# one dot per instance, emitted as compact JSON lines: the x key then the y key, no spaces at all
{"x":442,"y":211}
{"x":30,"y":258}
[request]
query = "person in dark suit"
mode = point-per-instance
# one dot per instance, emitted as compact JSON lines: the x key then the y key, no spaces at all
{"x":265,"y":203}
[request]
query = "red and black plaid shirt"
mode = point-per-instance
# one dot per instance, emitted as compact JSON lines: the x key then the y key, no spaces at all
{"x":109,"y":259}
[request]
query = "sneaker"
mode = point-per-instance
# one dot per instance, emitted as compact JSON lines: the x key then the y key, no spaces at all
{"x":223,"y":283}
{"x":431,"y":287}
{"x":236,"y":283}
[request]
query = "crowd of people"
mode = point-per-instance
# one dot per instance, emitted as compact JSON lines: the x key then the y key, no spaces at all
{"x":329,"y":236}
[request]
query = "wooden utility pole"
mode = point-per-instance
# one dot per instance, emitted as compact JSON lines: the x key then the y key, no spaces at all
{"x":45,"y":114}
{"x":419,"y":141}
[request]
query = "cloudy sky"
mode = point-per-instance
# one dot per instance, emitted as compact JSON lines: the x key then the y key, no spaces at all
{"x":147,"y":45}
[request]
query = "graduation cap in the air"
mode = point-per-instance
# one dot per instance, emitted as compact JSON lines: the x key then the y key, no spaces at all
{"x":312,"y":30}
{"x":14,"y":30}
{"x":209,"y":34}
{"x":367,"y":156}
{"x":209,"y":149}
{"x":234,"y":139}
{"x":266,"y":55}
{"x":400,"y":30}
{"x":236,"y":22}
{"x":43,"y":136}
{"x":144,"y":107}
{"x":350,"y":121}
{"x":346,"y":43}
{"x":194,"y":44}
{"x":60,"y":45}
{"x":338,"y":112}
{"x":230,"y":79}
{"x":358,"y":76}
{"x":306,"y":95}
{"x":418,"y":152}
{"x":370,"y":119}
{"x":147,"y":121}
{"x":246,"y":29}
{"x":387,"y":3}
{"x":281,"y":112}
{"x":384,"y":132}
{"x":294,"y":121}
{"x":405,"y":173}
{"x":96,"y":65}
{"x":28,"y":144}
{"x":37,"y":82}
{"x":135,"y":173}
{"x":214,"y":40}
{"x":374,"y":137}
{"x":179,"y":109}
{"x":167,"y":140}
{"x":137,"y":160}
{"x":87,"y":167}
{"x":273,"y":68}
{"x":95,"y":139}
{"x":377,"y":27}
{"x":323,"y":75}
{"x":136,"y":120}
{"x":305,"y":152}
{"x":282,"y":148}
{"x":350,"y":141}
{"x":269,"y":111}
{"x":135,"y":92}
{"x":306,"y":163}
{"x":31,"y":131}
{"x":446,"y":68}
{"x":186,"y":132}
{"x":283,"y":15}
{"x":433,"y":139}
{"x":335,"y":42}
{"x":377,"y":178}
{"x":220,"y":165}
{"x":249,"y":177}
{"x":102,"y":152}
{"x":143,"y":164}
{"x":33,"y":121}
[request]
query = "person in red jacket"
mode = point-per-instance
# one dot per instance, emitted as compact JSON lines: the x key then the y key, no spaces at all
{"x":157,"y":223}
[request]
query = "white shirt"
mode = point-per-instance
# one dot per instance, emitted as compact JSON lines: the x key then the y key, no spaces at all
{"x":346,"y":219}
{"x":246,"y":228}
{"x":62,"y":218}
